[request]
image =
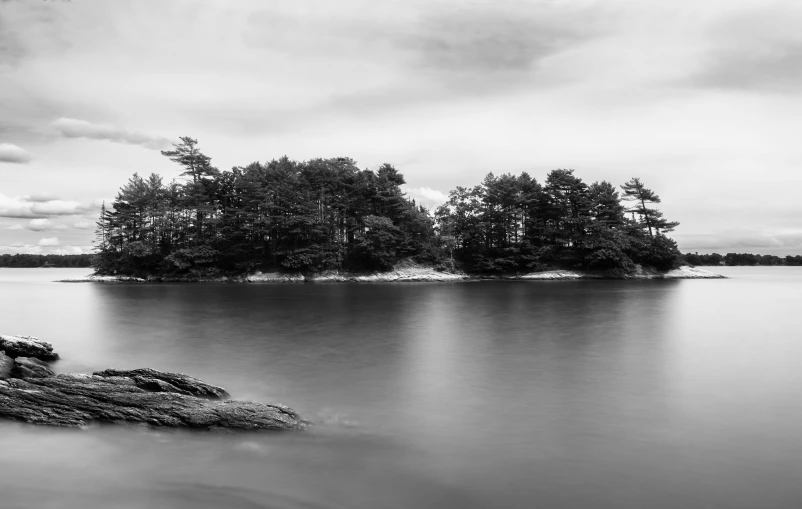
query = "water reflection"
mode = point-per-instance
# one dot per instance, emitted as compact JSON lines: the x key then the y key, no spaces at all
{"x":625,"y":394}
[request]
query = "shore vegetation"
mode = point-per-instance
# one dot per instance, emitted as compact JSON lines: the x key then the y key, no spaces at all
{"x":328,"y":214}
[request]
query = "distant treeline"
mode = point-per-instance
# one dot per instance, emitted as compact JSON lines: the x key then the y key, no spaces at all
{"x":325,"y":214}
{"x":50,"y":260}
{"x":734,"y":259}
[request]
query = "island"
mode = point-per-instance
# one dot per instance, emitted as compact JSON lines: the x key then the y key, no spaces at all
{"x":31,"y":392}
{"x":329,"y":220}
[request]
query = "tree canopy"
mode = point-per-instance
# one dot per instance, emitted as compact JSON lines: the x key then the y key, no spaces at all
{"x":326,"y":214}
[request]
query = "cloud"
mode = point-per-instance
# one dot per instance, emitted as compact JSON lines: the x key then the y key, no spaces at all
{"x":426,"y":195}
{"x":741,"y":240}
{"x":755,"y":49}
{"x":13,"y":154}
{"x":72,"y":128}
{"x":19,"y":248}
{"x":48,"y":241}
{"x":488,"y":38}
{"x":16,"y":227}
{"x":39,"y":225}
{"x":40,"y":197}
{"x":82,"y":225}
{"x":73,"y":250}
{"x":29,"y":207}
{"x":416,"y":50}
{"x":30,"y":28}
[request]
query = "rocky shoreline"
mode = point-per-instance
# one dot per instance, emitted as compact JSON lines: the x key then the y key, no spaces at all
{"x":31,"y":392}
{"x":407,"y":274}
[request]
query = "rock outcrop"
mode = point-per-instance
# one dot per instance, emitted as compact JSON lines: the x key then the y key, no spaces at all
{"x":412,"y":272}
{"x":688,"y":272}
{"x":158,"y":381}
{"x":30,"y":367}
{"x":31,"y":392}
{"x":27,"y":346}
{"x":6,"y":366}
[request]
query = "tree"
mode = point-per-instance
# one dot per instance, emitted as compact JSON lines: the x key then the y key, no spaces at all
{"x":327,"y":213}
{"x":635,"y":191}
{"x":605,"y":204}
{"x":198,"y":167}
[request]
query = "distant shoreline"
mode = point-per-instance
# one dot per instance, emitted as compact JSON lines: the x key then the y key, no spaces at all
{"x":407,"y":274}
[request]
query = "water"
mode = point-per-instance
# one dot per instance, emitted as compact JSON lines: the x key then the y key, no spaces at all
{"x":586,"y":394}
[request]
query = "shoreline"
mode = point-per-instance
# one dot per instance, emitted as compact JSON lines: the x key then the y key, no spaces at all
{"x":413,"y":274}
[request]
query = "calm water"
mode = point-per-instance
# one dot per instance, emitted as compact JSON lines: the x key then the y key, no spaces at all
{"x":600,"y":394}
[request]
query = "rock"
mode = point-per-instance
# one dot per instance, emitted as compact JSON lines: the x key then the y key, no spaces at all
{"x":159,"y":381}
{"x":6,"y":365}
{"x":30,"y":391}
{"x":27,"y":346}
{"x":30,"y":367}
{"x":78,"y":400}
{"x":688,"y":272}
{"x":553,"y":275}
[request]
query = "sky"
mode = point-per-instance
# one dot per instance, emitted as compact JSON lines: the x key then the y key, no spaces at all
{"x":700,"y":99}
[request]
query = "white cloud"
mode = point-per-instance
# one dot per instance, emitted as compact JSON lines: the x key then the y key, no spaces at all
{"x":72,"y":128}
{"x":742,"y":241}
{"x":18,"y":248}
{"x":72,"y":250}
{"x":48,"y":241}
{"x":40,"y":197}
{"x":426,"y":195}
{"x":61,"y":227}
{"x":82,"y":225}
{"x":16,"y":227}
{"x":13,"y":154}
{"x":35,"y":207}
{"x":39,"y":225}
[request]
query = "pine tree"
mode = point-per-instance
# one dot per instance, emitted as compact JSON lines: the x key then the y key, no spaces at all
{"x":635,"y":191}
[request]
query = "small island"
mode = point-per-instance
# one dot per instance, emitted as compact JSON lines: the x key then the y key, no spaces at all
{"x":31,"y":392}
{"x":328,"y":220}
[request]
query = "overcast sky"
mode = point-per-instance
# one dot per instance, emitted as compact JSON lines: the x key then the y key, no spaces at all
{"x":701,"y":99}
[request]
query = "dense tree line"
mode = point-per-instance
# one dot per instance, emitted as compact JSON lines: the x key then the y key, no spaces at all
{"x":328,"y":214}
{"x":514,"y":223}
{"x":736,"y":259}
{"x":50,"y":260}
{"x":302,"y":216}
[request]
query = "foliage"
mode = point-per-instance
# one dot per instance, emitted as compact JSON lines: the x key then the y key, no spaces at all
{"x":514,"y":224}
{"x":302,"y":216}
{"x":735,"y":259}
{"x":326,"y":214}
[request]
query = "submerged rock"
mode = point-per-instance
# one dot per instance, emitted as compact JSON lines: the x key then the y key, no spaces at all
{"x":27,"y":346}
{"x":31,"y":392}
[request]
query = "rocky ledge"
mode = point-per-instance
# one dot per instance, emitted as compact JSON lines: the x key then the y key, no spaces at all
{"x":31,"y":392}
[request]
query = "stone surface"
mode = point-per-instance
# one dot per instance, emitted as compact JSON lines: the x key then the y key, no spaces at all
{"x":30,"y":367}
{"x":6,"y":365}
{"x":159,"y":381}
{"x":27,"y":346}
{"x":552,"y":275}
{"x":407,"y":271}
{"x":79,"y":400}
{"x":688,"y":272}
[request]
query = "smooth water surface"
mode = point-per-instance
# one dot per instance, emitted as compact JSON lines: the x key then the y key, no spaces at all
{"x":564,"y":394}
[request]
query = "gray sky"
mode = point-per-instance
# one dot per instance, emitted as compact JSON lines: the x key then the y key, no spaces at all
{"x":701,"y":99}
